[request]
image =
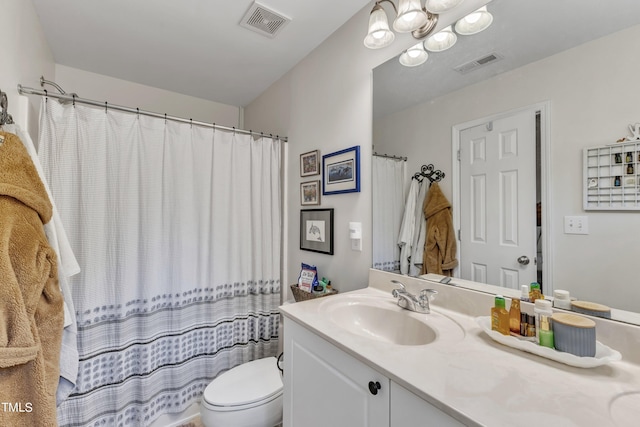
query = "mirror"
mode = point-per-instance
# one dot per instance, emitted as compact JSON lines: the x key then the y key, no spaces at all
{"x":573,"y":56}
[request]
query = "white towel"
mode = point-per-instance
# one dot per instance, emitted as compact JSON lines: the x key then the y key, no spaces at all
{"x":67,"y":267}
{"x":419,"y":232}
{"x":408,"y":226}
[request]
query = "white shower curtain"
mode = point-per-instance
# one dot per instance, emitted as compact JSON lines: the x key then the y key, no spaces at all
{"x":389,"y":182}
{"x":177,"y":231}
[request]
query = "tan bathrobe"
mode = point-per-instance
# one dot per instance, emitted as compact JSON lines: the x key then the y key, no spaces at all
{"x":440,"y":246}
{"x":31,"y":304}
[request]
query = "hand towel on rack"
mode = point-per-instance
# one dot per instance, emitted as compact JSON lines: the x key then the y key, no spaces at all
{"x":32,"y":304}
{"x":67,"y":267}
{"x":440,"y":248}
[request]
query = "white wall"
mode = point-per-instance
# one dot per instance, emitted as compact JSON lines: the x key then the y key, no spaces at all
{"x":25,"y":57}
{"x":121,"y":92}
{"x":325,"y":102}
{"x":593,"y":96}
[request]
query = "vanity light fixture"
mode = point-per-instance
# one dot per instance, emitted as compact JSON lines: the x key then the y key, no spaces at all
{"x":414,"y":56}
{"x":442,"y":40}
{"x":474,"y":22}
{"x":439,"y":6}
{"x":410,"y":17}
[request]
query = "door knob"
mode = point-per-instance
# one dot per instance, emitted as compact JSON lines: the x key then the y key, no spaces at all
{"x":524,"y":260}
{"x":374,"y":387}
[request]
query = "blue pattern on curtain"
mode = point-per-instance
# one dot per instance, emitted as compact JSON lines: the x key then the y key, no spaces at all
{"x":177,"y":231}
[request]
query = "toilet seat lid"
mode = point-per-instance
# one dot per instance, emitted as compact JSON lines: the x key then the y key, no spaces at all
{"x":245,"y":384}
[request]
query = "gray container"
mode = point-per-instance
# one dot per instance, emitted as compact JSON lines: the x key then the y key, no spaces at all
{"x":574,"y":334}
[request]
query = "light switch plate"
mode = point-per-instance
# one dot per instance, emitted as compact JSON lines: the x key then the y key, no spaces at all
{"x":576,"y":225}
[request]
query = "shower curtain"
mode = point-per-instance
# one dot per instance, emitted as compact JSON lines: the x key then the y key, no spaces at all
{"x":177,"y":231}
{"x":389,"y":183}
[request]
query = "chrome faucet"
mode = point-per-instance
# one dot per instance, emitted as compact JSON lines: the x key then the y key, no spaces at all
{"x":408,"y":301}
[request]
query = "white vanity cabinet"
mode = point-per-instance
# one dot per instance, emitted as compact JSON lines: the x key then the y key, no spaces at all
{"x":325,"y":386}
{"x":408,"y":410}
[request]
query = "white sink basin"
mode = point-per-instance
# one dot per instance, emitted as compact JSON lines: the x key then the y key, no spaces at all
{"x":380,"y":319}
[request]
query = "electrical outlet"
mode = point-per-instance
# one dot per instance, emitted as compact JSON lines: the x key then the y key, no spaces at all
{"x":356,"y":245}
{"x":576,"y":225}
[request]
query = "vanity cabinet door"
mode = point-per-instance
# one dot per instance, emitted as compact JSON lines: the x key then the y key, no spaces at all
{"x":409,"y":410}
{"x":324,"y":386}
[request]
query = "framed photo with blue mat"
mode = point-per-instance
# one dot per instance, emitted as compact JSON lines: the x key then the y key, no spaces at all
{"x":316,"y":230}
{"x":341,"y":171}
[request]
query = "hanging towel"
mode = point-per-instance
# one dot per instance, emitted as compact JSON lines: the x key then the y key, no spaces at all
{"x":67,"y":266}
{"x":440,"y":246}
{"x":408,"y":225}
{"x":31,"y":304}
{"x":419,"y":233}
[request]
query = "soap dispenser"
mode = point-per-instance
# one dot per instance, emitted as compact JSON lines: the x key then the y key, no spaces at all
{"x":500,"y":316}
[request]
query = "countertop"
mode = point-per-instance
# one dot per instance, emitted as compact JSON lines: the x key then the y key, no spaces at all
{"x":481,"y":382}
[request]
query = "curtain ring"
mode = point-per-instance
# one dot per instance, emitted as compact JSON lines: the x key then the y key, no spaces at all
{"x":165,"y":118}
{"x":138,"y":112}
{"x":105,"y":107}
{"x":46,"y":95}
{"x":191,"y":123}
{"x":73,"y":95}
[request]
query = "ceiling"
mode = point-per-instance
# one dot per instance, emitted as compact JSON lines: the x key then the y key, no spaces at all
{"x":522,"y":32}
{"x":193,"y":47}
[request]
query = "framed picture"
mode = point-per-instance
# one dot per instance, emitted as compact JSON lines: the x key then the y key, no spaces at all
{"x":316,"y":230}
{"x":310,"y":163}
{"x":341,"y":171}
{"x":310,"y":193}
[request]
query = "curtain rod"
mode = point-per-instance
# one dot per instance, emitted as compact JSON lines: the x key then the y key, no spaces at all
{"x":73,"y":98}
{"x":390,"y":157}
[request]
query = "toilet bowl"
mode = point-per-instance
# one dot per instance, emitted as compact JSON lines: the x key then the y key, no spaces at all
{"x":249,"y":395}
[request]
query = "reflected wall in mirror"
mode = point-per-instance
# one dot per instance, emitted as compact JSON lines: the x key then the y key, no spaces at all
{"x":582,"y":63}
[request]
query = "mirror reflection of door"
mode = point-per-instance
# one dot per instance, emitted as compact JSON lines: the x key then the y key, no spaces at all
{"x":499,"y":196}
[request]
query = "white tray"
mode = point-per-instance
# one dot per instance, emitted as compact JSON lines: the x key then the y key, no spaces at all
{"x":603,"y":355}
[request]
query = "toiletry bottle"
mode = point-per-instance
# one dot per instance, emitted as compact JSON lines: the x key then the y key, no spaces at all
{"x":500,"y":316}
{"x":523,"y":323}
{"x":535,"y":292}
{"x":541,"y":308}
{"x":545,"y":332}
{"x":561,"y":299}
{"x":524,"y":293}
{"x":531,"y":327}
{"x":514,"y":316}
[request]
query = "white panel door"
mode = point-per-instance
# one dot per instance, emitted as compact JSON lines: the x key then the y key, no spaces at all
{"x":498,"y":201}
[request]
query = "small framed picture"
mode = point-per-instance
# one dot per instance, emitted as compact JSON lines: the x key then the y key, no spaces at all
{"x":310,"y":193}
{"x":316,"y":230}
{"x":341,"y":171}
{"x":310,"y":163}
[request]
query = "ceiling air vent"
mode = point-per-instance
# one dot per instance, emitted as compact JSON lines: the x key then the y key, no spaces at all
{"x":264,"y":21}
{"x":477,"y":63}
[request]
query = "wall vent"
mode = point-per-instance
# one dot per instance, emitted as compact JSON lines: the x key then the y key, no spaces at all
{"x":263,"y":20}
{"x":477,"y":63}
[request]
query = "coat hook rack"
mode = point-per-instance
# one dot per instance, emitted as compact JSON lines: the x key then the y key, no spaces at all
{"x":429,"y":172}
{"x":5,"y":117}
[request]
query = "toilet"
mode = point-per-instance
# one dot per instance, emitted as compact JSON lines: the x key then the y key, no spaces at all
{"x":249,"y":395}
